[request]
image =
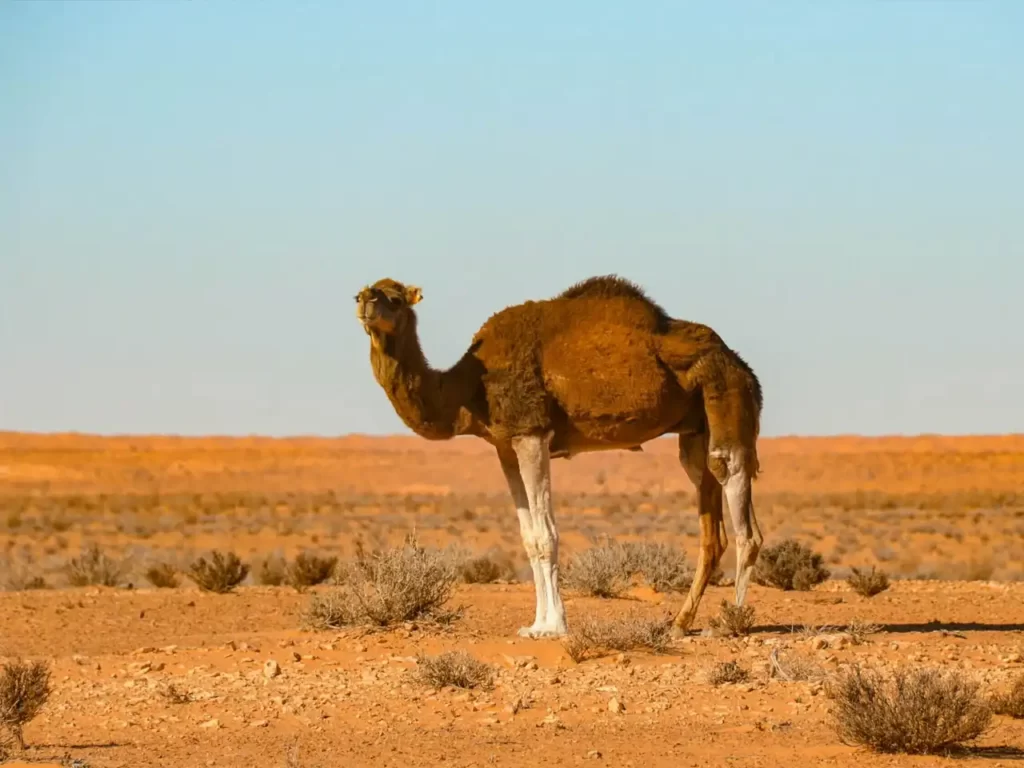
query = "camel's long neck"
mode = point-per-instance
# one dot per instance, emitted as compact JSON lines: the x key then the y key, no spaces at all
{"x":429,"y":402}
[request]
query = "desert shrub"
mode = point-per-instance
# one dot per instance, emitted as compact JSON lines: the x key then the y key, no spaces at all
{"x":272,"y":572}
{"x":790,"y":565}
{"x":794,"y":667}
{"x":600,"y":571}
{"x":732,"y":620}
{"x":589,"y":636}
{"x":915,"y":711}
{"x":454,"y":668}
{"x":608,"y":570}
{"x":24,"y":689}
{"x":387,"y":587}
{"x":1011,"y":703}
{"x":162,"y":576}
{"x":728,"y":672}
{"x":222,"y":573}
{"x":20,"y":582}
{"x":868,"y":584}
{"x":859,"y":630}
{"x":93,"y":567}
{"x":309,"y":570}
{"x":663,"y":567}
{"x":487,"y":568}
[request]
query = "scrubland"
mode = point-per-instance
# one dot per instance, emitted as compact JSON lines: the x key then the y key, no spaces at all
{"x":316,"y":602}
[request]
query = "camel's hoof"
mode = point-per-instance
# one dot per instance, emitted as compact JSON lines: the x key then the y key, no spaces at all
{"x":538,"y":633}
{"x":678,"y":633}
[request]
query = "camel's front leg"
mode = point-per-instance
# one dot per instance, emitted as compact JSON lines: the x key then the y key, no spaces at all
{"x":510,"y":466}
{"x":534,"y":460}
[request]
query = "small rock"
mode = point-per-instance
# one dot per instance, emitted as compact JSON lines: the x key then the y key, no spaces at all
{"x":819,"y":643}
{"x":271,"y":669}
{"x":259,"y":723}
{"x":296,"y":656}
{"x":214,"y":723}
{"x":615,"y":706}
{"x":593,"y":755}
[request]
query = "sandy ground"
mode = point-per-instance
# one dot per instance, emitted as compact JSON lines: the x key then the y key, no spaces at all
{"x":936,"y":507}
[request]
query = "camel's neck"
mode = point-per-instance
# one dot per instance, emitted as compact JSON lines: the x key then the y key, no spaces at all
{"x":430,"y":402}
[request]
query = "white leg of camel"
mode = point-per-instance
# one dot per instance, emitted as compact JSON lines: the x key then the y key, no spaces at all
{"x":510,"y":466}
{"x":535,"y":470}
{"x":736,"y":488}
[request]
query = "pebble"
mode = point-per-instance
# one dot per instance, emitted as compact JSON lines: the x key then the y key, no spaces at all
{"x":615,"y":706}
{"x":214,"y":723}
{"x":271,"y":669}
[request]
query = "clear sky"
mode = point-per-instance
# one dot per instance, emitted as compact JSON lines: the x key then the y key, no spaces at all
{"x":192,"y":193}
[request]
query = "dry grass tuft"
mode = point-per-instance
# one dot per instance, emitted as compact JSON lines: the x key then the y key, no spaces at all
{"x":309,"y":570}
{"x":162,"y":576}
{"x":1012,"y":702}
{"x":488,"y":568}
{"x":790,"y":565}
{"x":608,"y":570}
{"x":868,"y":584}
{"x":728,"y":672}
{"x":663,"y":568}
{"x":794,"y":667}
{"x":455,"y":668}
{"x":733,"y":620}
{"x":24,"y":689}
{"x":388,"y":587}
{"x":913,"y":711}
{"x":859,"y":630}
{"x":589,"y":637}
{"x":93,"y":568}
{"x":221,"y":574}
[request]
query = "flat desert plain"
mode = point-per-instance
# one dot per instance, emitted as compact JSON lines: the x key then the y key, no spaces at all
{"x":145,"y":676}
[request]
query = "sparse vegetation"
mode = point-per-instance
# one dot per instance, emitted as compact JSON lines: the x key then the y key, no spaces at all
{"x":308,"y":570}
{"x":608,"y":570}
{"x":662,"y":567}
{"x":794,"y":667}
{"x":732,"y":620}
{"x":588,"y":637}
{"x":728,"y":672}
{"x":455,"y":668}
{"x":913,"y":711}
{"x":487,"y":568}
{"x":162,"y":576}
{"x":790,"y":565}
{"x":94,"y":568}
{"x":1012,"y":702}
{"x":388,"y":587}
{"x":221,"y":574}
{"x":24,"y":690}
{"x":868,"y":584}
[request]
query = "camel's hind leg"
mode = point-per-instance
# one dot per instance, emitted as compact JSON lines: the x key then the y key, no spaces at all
{"x":693,"y":457}
{"x":733,"y":416}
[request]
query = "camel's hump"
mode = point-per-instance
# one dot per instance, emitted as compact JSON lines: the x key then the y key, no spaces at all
{"x":613,"y":286}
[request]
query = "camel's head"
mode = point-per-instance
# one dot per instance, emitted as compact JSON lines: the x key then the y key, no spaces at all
{"x":386,"y":306}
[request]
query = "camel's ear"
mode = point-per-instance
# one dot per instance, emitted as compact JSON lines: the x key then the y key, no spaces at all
{"x":413,"y":295}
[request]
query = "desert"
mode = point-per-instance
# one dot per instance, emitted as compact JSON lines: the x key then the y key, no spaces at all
{"x":148,"y":676}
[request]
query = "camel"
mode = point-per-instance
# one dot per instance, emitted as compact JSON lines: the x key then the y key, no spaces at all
{"x":598,"y":367}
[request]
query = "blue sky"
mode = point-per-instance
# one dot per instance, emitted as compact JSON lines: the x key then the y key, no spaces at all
{"x":190,"y":195}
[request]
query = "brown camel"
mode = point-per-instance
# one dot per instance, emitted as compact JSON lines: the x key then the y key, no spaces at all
{"x":598,"y":367}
